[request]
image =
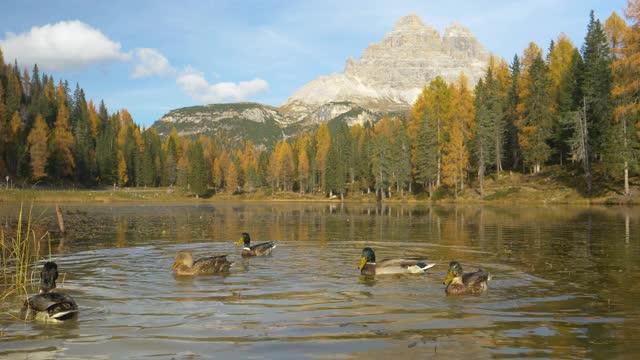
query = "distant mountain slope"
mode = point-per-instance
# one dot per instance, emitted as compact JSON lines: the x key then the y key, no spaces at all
{"x":262,"y":124}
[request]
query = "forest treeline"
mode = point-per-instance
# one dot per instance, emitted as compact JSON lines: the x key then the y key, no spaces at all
{"x":568,"y":106}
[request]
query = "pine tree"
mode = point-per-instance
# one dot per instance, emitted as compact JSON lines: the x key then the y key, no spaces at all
{"x":596,"y":84}
{"x":426,"y":160}
{"x":16,"y":146}
{"x":439,"y":106}
{"x":198,"y":172}
{"x":13,"y":91}
{"x":382,"y":156}
{"x":485,"y":107}
{"x":512,"y":146}
{"x":38,"y":148}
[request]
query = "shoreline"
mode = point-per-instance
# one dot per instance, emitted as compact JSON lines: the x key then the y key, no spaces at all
{"x":522,"y":195}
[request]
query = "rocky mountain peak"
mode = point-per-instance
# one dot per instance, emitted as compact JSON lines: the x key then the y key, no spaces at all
{"x":409,"y":23}
{"x":391,"y":73}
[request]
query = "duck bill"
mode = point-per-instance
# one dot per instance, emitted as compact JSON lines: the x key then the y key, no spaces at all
{"x":363,"y":262}
{"x":240,"y":242}
{"x":175,"y":265}
{"x":448,"y":279}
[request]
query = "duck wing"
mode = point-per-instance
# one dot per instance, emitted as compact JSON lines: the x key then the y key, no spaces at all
{"x":57,"y":305}
{"x":212,"y":264}
{"x":264,"y":248}
{"x":474,"y":278}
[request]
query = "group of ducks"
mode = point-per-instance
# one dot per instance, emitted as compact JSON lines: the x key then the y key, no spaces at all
{"x":48,"y":305}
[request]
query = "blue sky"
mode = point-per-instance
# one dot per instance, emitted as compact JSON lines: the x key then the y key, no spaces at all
{"x":153,"y":56}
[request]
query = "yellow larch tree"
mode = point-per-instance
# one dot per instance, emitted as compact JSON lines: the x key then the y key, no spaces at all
{"x":455,"y":152}
{"x":615,"y":28}
{"x":626,"y":85}
{"x":303,"y":162}
{"x":38,"y":147}
{"x":63,"y":141}
{"x":323,"y":141}
{"x":231,"y":178}
{"x":439,"y":105}
{"x":94,"y":119}
{"x":559,"y":59}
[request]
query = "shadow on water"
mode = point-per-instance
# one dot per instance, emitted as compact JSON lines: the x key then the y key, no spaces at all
{"x":562,"y":287}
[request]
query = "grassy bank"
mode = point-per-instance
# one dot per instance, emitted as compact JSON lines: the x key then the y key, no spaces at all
{"x":19,"y":252}
{"x":554,"y":186}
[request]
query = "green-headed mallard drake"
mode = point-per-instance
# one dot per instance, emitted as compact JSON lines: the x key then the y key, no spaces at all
{"x":184,"y":264}
{"x":49,"y":306}
{"x":369,"y":266}
{"x":261,"y":249}
{"x":459,"y":283}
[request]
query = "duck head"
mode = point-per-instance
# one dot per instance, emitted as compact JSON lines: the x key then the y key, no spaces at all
{"x":455,"y":270}
{"x":368,"y":256}
{"x":244,"y":240}
{"x":48,"y":277}
{"x":184,"y":258}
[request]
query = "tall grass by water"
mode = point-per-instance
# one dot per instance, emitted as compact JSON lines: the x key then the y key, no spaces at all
{"x":20,"y":249}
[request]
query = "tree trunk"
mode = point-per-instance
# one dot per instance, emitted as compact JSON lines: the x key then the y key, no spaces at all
{"x":626,"y":163}
{"x":626,"y":179}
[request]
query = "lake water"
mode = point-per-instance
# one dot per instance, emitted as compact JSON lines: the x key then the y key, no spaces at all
{"x":565,"y":283}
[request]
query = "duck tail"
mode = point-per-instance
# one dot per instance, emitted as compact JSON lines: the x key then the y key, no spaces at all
{"x":420,"y":268}
{"x":427,"y":266}
{"x":63,"y":314}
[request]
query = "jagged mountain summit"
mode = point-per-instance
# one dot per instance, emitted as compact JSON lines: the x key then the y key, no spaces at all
{"x":388,"y":77}
{"x":391,"y":73}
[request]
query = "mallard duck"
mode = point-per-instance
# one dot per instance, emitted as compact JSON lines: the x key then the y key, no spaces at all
{"x":261,"y":249}
{"x":459,"y":283}
{"x":369,"y":266}
{"x":184,"y":264}
{"x":49,"y":306}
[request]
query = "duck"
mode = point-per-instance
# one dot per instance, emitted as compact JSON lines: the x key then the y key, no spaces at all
{"x":261,"y":249}
{"x":184,"y":264}
{"x":459,"y":283}
{"x":47,"y":305}
{"x":369,"y":266}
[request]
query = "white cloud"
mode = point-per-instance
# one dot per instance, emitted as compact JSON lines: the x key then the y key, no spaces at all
{"x":150,"y":62}
{"x":194,"y":84}
{"x":61,"y":46}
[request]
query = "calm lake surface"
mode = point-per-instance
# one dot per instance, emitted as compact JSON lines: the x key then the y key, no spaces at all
{"x":565,"y":283}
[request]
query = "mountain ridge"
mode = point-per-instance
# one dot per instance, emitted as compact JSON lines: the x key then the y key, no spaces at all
{"x":388,"y":77}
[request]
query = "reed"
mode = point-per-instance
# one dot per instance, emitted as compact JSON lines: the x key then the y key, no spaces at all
{"x":20,"y":251}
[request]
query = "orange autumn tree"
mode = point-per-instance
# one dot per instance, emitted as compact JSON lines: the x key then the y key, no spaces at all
{"x":438,"y":98}
{"x":304,"y":167}
{"x":626,"y":88}
{"x":231,"y":178}
{"x":94,"y":119}
{"x":455,"y":152}
{"x":38,"y":147}
{"x":535,"y":112}
{"x":323,"y":141}
{"x":62,"y":142}
{"x":282,"y":166}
